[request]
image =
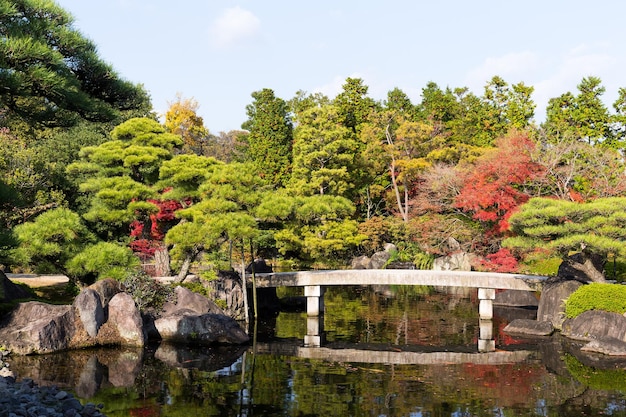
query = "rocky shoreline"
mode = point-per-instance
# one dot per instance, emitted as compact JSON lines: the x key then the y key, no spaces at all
{"x":25,"y":398}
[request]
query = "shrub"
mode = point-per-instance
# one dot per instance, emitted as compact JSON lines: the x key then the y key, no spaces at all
{"x":146,"y":291}
{"x":596,"y":296}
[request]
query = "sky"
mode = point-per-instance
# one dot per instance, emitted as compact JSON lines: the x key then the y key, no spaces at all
{"x":219,"y":52}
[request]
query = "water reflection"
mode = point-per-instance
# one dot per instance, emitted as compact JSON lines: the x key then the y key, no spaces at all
{"x":411,"y":356}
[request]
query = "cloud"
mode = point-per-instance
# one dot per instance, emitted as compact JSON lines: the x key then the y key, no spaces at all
{"x":571,"y":67}
{"x":234,"y":25}
{"x":519,"y":64}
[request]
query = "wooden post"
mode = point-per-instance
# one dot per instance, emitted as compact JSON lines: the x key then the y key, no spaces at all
{"x":254,"y":298}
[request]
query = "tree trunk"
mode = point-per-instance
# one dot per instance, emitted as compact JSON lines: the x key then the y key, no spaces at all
{"x":162,"y":262}
{"x":184,"y":269}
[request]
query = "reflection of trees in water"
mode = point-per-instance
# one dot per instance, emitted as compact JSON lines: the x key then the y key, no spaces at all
{"x":401,"y":316}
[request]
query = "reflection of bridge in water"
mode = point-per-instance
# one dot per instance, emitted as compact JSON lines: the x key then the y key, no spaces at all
{"x":391,"y":357}
{"x":314,"y":283}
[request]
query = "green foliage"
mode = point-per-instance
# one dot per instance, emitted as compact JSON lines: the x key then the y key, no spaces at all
{"x":596,"y":296}
{"x":562,"y":227}
{"x":324,"y":154}
{"x":51,"y":74}
{"x":271,"y":136}
{"x":51,"y":240}
{"x":543,"y":265}
{"x":119,"y":175}
{"x":102,"y":260}
{"x":565,"y":226}
{"x":147,"y":293}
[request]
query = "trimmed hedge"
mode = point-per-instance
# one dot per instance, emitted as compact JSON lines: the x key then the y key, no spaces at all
{"x":596,"y":296}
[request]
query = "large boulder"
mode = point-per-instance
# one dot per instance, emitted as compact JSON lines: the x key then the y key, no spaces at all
{"x":89,"y":308}
{"x":189,"y":300}
{"x":185,"y":326}
{"x":106,"y":289}
{"x":124,"y":325}
{"x":596,"y":325}
{"x":529,"y":327}
{"x":552,"y":302}
{"x":459,"y":261}
{"x":36,"y":327}
{"x":516,"y":298}
{"x":10,"y":291}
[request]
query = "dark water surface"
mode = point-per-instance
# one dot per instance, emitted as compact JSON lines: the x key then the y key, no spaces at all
{"x":387,"y":352}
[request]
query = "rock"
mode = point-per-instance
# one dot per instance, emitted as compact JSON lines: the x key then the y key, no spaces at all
{"x":186,"y":299}
{"x":124,"y":325}
{"x":460,"y":261}
{"x":606,"y":346}
{"x":514,"y":298}
{"x":89,"y":308}
{"x":596,"y":325}
{"x":260,"y":267}
{"x":379,"y":260}
{"x":582,"y":268}
{"x":552,"y":302}
{"x":360,"y":262}
{"x":10,"y":291}
{"x":106,"y":289}
{"x":36,"y":327}
{"x":228,"y":288}
{"x":400,"y":265}
{"x":529,"y":327}
{"x":186,"y":327}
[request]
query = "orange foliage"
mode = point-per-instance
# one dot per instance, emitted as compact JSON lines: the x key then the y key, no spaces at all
{"x":495,"y":186}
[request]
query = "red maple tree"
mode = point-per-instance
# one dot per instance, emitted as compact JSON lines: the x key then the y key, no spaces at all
{"x":495,"y":186}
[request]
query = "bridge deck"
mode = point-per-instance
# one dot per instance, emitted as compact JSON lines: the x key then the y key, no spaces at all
{"x":469,"y":279}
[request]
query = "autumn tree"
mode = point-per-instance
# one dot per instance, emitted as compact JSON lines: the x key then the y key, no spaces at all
{"x":495,"y":186}
{"x":182,"y":119}
{"x":579,"y":171}
{"x":271,"y":136}
{"x":52,"y":75}
{"x":593,"y":230}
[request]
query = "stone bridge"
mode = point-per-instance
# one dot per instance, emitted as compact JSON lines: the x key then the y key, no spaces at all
{"x":314,"y":283}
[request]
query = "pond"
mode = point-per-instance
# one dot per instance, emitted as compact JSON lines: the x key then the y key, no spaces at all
{"x":402,"y":351}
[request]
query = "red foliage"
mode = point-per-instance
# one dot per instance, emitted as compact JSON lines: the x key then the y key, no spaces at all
{"x":148,"y":235}
{"x":501,"y":261}
{"x":493,"y":189}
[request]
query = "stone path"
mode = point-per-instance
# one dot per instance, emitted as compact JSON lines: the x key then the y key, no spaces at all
{"x":36,"y":281}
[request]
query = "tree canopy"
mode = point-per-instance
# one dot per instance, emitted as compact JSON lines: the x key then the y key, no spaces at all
{"x":51,"y":74}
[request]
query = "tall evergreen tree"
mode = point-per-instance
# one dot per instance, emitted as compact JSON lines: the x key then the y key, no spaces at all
{"x":271,"y":136}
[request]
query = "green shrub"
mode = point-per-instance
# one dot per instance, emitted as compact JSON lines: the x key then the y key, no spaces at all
{"x":146,"y":291}
{"x":596,"y":296}
{"x":545,"y":266}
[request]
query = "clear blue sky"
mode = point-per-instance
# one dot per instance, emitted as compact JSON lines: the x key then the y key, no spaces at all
{"x":220,"y":51}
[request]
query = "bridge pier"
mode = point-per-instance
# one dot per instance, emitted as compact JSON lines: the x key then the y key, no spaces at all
{"x":485,"y":303}
{"x":315,"y":315}
{"x":314,"y":300}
